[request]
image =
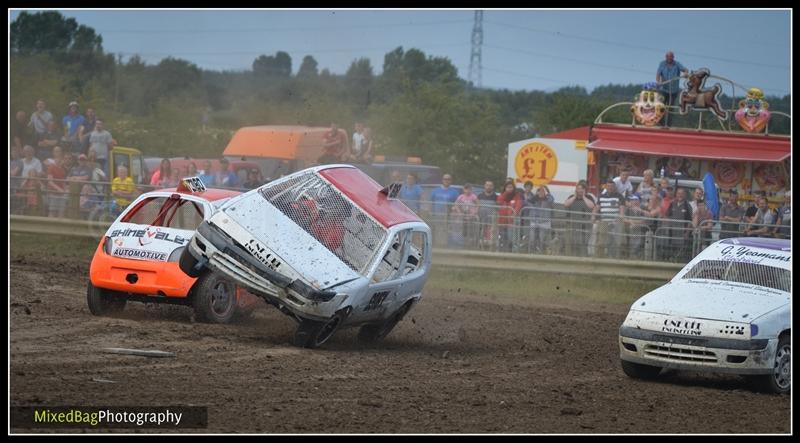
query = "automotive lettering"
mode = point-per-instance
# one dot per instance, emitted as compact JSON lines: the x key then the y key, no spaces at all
{"x":377,"y":300}
{"x":258,"y":252}
{"x":140,"y":233}
{"x":682,"y":327}
{"x":137,"y":253}
{"x":743,"y":252}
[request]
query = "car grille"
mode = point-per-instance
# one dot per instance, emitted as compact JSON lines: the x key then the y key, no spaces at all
{"x":679,"y":353}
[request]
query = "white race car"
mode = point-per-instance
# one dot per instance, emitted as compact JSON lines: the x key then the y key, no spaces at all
{"x":728,"y":310}
{"x":326,"y":246}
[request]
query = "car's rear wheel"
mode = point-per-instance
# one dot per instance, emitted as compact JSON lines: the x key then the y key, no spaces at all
{"x":780,"y":381}
{"x":187,"y":263}
{"x":214,"y":299}
{"x":101,"y":302}
{"x":640,"y":371}
{"x":377,"y":332}
{"x":313,"y":334}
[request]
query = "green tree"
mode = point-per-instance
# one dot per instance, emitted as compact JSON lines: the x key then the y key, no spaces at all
{"x":308,"y":68}
{"x":278,"y":65}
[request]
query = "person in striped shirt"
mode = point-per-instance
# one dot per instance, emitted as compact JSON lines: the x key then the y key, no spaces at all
{"x":610,"y":206}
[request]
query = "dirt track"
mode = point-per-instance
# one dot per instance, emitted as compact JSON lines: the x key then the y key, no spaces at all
{"x":458,"y":363}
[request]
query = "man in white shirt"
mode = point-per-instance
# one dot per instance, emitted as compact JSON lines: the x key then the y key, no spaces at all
{"x":624,"y":186}
{"x":359,"y":141}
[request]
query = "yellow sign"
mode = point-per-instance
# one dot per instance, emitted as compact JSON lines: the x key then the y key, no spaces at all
{"x":537,"y":163}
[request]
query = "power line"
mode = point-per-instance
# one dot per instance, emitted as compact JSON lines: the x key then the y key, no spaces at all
{"x":275,"y":29}
{"x":628,"y":45}
{"x":558,"y":57}
{"x":292,"y":51}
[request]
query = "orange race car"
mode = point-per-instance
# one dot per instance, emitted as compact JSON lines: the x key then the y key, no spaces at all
{"x":137,"y":259}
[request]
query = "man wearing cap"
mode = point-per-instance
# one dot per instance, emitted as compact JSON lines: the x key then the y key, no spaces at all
{"x":82,"y":171}
{"x":225,"y":178}
{"x":72,"y":123}
{"x":634,"y":226}
{"x":730,"y":216}
{"x":610,"y":209}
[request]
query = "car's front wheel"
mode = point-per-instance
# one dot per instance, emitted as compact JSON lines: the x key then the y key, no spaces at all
{"x":313,"y":334}
{"x":100,"y":301}
{"x":377,"y":332}
{"x":640,"y":371}
{"x":780,"y":381}
{"x":214,"y":299}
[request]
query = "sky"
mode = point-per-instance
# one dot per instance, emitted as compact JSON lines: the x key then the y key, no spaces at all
{"x":521,"y":50}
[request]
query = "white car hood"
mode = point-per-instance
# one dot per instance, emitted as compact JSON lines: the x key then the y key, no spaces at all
{"x":711,"y":299}
{"x":275,"y":232}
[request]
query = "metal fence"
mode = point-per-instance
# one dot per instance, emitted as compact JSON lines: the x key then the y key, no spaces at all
{"x":487,"y":227}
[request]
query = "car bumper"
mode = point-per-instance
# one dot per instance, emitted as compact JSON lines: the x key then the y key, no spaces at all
{"x":219,"y":254}
{"x":748,"y":357}
{"x":138,"y":276}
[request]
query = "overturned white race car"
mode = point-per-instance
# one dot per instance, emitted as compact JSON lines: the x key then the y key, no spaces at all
{"x":728,"y":310}
{"x":325,"y":245}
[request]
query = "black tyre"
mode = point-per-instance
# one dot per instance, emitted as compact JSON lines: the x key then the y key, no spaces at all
{"x":100,"y":301}
{"x":313,"y":334}
{"x":780,"y":381}
{"x":187,"y":262}
{"x":640,"y":371}
{"x":376,"y":332}
{"x":214,"y":299}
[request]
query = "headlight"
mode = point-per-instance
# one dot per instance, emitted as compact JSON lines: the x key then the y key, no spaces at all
{"x":107,"y":245}
{"x":753,"y":330}
{"x":176,"y":254}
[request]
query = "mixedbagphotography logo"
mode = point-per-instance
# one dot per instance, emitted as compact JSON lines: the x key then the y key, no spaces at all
{"x":162,"y":417}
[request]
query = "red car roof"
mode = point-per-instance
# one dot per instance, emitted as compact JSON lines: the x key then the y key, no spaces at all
{"x":210,"y":194}
{"x":365,"y":193}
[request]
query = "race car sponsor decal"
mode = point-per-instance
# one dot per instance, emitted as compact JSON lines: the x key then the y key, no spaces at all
{"x":147,"y":235}
{"x":746,"y":254}
{"x":139,"y":254}
{"x":377,"y":300}
{"x":155,"y":243}
{"x":685,"y":327}
{"x":260,"y":252}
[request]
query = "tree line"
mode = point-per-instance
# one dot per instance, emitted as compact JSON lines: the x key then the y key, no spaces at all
{"x":417,"y":105}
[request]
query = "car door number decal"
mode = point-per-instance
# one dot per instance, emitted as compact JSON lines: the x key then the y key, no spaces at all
{"x":377,"y":300}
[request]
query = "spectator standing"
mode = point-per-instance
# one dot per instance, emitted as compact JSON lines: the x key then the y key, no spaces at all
{"x":86,"y":129}
{"x":47,"y":141}
{"x":634,"y":225}
{"x":623,"y":185}
{"x":610,"y":207}
{"x":466,"y":209}
{"x":653,"y":213}
{"x":539,"y":211}
{"x":487,"y":210}
{"x":647,"y":188}
{"x":100,"y":142}
{"x":411,"y":193}
{"x":668,"y":76}
{"x":442,"y":198}
{"x":164,"y":170}
{"x":335,"y":145}
{"x":14,"y":180}
{"x":226,"y":178}
{"x":56,"y":184}
{"x":760,"y":226}
{"x":667,"y":197}
{"x":680,"y":215}
{"x":369,"y":146}
{"x":510,"y":202}
{"x":731,"y":216}
{"x":31,"y":185}
{"x":580,"y":206}
{"x":703,"y":222}
{"x":21,"y":133}
{"x":699,"y":194}
{"x":72,"y":123}
{"x":122,"y":188}
{"x":40,"y":118}
{"x":207,"y":174}
{"x":81,"y":171}
{"x":173,"y":180}
{"x":784,"y":217}
{"x":358,"y":148}
{"x":57,"y":157}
